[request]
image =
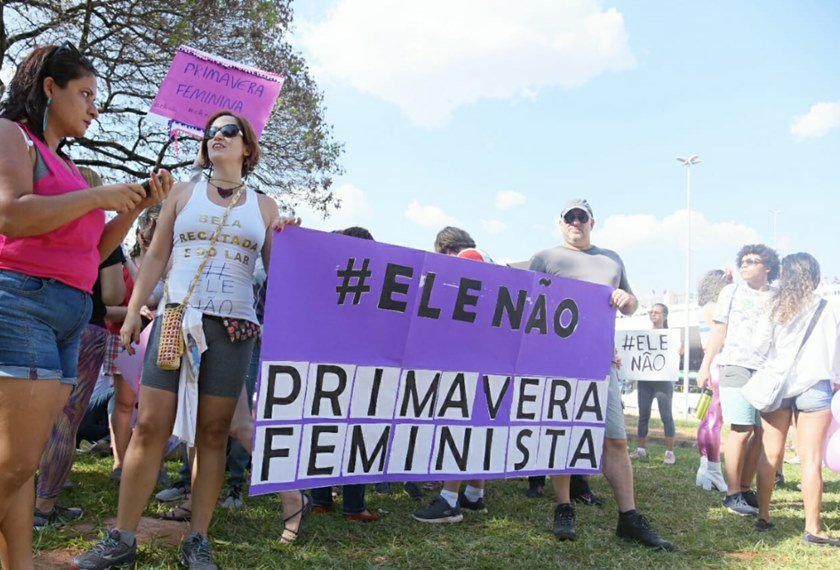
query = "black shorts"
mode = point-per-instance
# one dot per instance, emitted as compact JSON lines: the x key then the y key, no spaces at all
{"x":224,"y":365}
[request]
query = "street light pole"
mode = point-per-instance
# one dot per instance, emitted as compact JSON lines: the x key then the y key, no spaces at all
{"x":687,"y":162}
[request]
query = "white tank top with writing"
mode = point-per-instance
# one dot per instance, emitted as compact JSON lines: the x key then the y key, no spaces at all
{"x":225,"y":288}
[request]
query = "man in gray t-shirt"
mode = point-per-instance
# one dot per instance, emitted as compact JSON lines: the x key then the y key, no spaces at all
{"x":578,"y":259}
{"x":595,"y":265}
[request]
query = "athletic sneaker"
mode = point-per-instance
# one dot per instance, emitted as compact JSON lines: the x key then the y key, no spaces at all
{"x":670,"y":458}
{"x":751,"y":498}
{"x":233,"y":498}
{"x":196,"y":553}
{"x":175,"y":493}
{"x":439,"y":511}
{"x":640,"y":453}
{"x":738,"y":505}
{"x":110,"y":552}
{"x":58,"y":516}
{"x":589,"y":499}
{"x":477,"y":506}
{"x":564,"y":522}
{"x":814,"y":540}
{"x":116,"y":474}
{"x":762,"y":525}
{"x":635,"y":527}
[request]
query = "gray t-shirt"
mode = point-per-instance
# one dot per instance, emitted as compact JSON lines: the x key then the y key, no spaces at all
{"x":595,"y":265}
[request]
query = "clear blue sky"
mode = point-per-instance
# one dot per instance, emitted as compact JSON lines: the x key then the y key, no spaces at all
{"x":489,"y":115}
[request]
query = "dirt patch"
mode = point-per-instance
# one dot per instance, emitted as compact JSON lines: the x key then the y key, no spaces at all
{"x":150,"y":529}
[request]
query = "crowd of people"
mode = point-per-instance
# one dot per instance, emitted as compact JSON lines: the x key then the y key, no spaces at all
{"x":71,"y":300}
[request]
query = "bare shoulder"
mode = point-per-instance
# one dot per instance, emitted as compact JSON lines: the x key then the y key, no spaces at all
{"x":12,"y":137}
{"x":180,"y":195}
{"x":16,"y":161}
{"x":268,"y":207}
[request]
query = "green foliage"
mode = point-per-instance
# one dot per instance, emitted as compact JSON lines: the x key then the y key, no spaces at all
{"x":133,"y":43}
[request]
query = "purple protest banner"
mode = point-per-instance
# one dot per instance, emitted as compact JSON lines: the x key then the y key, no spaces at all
{"x":382,"y":363}
{"x":198,"y":84}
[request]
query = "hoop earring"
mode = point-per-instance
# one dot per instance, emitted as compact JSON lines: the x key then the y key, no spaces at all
{"x":46,"y":112}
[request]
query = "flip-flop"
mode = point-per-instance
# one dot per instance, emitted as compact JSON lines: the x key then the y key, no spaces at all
{"x":178,"y":514}
{"x":306,"y":506}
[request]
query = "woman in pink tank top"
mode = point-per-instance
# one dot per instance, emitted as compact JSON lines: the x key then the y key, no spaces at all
{"x":52,"y":238}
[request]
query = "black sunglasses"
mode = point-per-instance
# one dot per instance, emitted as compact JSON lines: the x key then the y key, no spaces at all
{"x":66,"y":45}
{"x":578,"y":215}
{"x":228,"y":131}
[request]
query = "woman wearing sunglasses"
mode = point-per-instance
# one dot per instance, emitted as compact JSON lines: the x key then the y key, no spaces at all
{"x":53,"y":237}
{"x":213,"y":229}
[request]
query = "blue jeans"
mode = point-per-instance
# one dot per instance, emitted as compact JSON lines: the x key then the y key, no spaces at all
{"x":354,"y":498}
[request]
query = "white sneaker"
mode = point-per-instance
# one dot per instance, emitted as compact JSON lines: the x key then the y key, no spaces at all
{"x":670,"y":458}
{"x":640,"y":453}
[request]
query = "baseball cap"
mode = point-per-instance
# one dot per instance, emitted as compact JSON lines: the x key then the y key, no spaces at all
{"x":577,"y":204}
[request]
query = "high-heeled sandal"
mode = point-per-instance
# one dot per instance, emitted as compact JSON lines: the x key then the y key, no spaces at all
{"x":306,"y":506}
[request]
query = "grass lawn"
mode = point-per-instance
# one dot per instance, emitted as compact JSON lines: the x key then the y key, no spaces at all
{"x":515,"y":534}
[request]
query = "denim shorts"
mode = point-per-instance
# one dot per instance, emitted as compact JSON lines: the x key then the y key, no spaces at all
{"x":42,"y":323}
{"x":814,"y":399}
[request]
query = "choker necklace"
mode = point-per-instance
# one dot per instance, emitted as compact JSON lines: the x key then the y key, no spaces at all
{"x":226,"y":193}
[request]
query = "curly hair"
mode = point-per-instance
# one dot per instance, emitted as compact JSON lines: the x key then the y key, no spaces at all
{"x":768,"y":256}
{"x":25,"y":99}
{"x":711,"y":285}
{"x":800,"y":278}
{"x":451,"y":239}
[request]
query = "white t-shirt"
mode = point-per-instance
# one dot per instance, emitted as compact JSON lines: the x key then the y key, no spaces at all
{"x":820,"y":358}
{"x":746,"y":314}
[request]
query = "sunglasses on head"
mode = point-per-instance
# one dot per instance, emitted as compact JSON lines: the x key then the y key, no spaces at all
{"x":578,"y":215}
{"x":752,"y":261}
{"x":228,"y":131}
{"x":66,"y":45}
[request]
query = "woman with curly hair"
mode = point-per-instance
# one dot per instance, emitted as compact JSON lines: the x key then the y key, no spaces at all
{"x":742,"y":311}
{"x":812,"y":375}
{"x":709,"y":475}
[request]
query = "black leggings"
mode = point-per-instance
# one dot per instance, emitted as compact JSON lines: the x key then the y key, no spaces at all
{"x":664,"y":394}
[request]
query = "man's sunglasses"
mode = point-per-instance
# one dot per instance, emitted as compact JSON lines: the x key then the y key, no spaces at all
{"x":578,"y":215}
{"x":228,"y":131}
{"x":752,"y":261}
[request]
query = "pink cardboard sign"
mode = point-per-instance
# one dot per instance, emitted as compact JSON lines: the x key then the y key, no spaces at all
{"x":198,"y":84}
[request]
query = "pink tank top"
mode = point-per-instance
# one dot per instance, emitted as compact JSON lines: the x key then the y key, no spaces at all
{"x":69,"y":254}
